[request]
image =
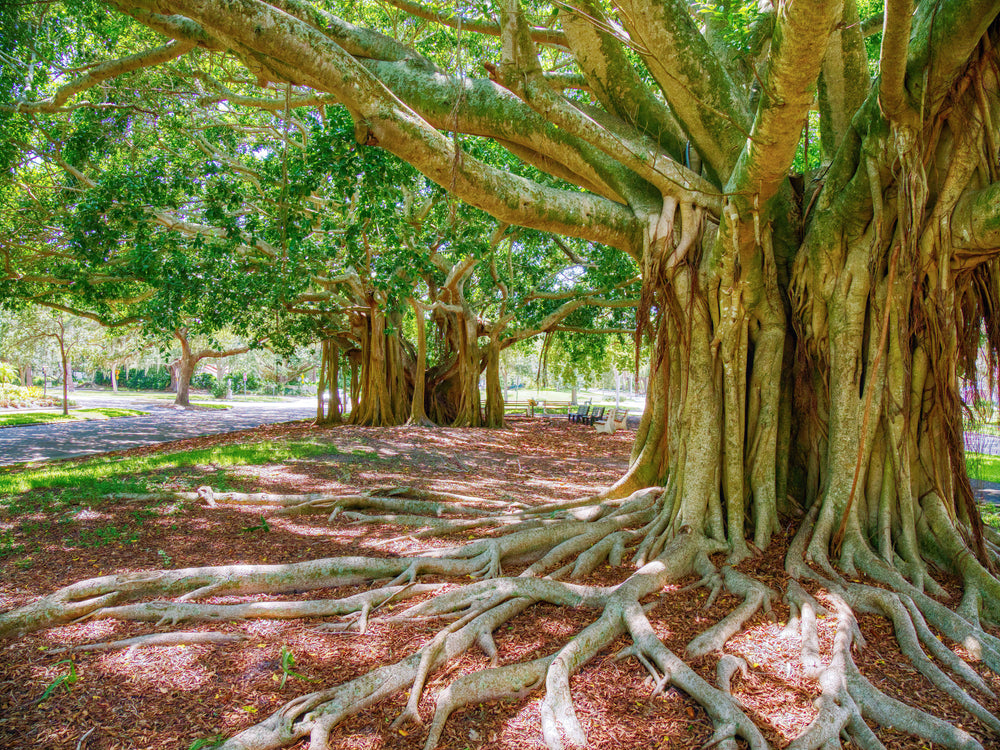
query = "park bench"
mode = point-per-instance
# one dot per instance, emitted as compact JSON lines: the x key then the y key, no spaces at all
{"x":552,"y":407}
{"x":580,"y":414}
{"x":616,"y":420}
{"x":525,"y":407}
{"x":595,"y":415}
{"x":529,"y":407}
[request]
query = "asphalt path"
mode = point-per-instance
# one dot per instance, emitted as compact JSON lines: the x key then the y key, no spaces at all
{"x":162,"y":424}
{"x":69,"y":439}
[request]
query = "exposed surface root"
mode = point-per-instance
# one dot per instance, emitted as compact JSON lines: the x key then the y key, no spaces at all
{"x":571,"y":540}
{"x":156,"y":639}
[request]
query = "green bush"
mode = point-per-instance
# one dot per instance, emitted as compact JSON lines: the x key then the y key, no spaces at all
{"x":151,"y":380}
{"x":205,"y":381}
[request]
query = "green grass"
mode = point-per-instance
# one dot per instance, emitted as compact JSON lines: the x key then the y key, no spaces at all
{"x":983,"y":467}
{"x":101,"y":476}
{"x":77,"y":415}
{"x":991,"y":515}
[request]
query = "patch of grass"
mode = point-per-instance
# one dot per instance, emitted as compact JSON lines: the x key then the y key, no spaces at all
{"x":991,"y":515}
{"x":77,"y":415}
{"x":103,"y":536}
{"x":983,"y":467}
{"x":102,"y":476}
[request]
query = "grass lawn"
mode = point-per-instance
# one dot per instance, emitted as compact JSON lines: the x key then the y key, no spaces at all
{"x":77,"y":415}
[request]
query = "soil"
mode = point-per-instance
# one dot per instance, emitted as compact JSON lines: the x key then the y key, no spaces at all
{"x":174,"y":696}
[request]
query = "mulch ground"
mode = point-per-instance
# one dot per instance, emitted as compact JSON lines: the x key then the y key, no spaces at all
{"x":170,"y":697}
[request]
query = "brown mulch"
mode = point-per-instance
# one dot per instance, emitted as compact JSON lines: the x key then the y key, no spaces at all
{"x":169,"y":697}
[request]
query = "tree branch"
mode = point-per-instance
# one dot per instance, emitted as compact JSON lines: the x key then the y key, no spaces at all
{"x":540,"y":35}
{"x":845,"y":80}
{"x":103,"y":72}
{"x":800,"y":41}
{"x":132,"y":319}
{"x":695,"y":83}
{"x":613,"y":80}
{"x":521,"y":72}
{"x":893,"y":57}
{"x":303,"y":55}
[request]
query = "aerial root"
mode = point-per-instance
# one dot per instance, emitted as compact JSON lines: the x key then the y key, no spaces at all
{"x":848,"y":698}
{"x":316,"y":714}
{"x":890,"y":605}
{"x":837,"y":709}
{"x":941,"y":652}
{"x":172,"y":613}
{"x":513,"y":681}
{"x":980,"y":644}
{"x":404,"y":500}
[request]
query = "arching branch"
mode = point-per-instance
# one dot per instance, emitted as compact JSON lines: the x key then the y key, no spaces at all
{"x":697,"y":87}
{"x":102,"y":72}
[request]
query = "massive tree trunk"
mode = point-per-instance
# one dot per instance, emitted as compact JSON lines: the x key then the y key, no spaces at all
{"x":807,"y":346}
{"x":384,"y":396}
{"x":418,"y":410}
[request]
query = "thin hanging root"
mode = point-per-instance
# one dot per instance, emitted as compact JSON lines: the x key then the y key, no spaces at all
{"x":513,"y":681}
{"x":155,"y":639}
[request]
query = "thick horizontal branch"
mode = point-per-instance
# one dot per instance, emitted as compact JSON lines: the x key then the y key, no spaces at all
{"x":594,"y":331}
{"x":305,"y":56}
{"x":539,"y":34}
{"x":131,"y":320}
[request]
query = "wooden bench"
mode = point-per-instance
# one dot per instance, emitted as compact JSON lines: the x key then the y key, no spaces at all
{"x":525,"y":407}
{"x":616,"y":420}
{"x":580,"y":415}
{"x":595,"y":415}
{"x":529,"y":407}
{"x":552,"y":406}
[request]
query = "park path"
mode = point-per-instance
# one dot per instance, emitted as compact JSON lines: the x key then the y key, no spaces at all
{"x":162,"y":424}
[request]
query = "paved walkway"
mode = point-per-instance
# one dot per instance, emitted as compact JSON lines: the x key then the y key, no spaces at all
{"x":67,"y":439}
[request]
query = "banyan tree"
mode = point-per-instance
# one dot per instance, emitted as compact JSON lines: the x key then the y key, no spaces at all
{"x":815,"y":212}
